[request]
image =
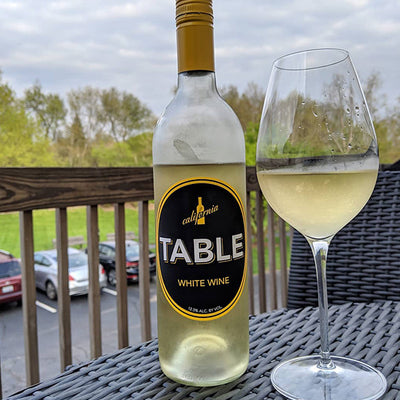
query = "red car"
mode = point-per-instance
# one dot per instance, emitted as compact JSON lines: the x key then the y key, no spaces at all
{"x":10,"y":278}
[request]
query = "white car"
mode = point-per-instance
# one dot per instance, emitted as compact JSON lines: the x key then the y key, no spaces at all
{"x":46,"y":272}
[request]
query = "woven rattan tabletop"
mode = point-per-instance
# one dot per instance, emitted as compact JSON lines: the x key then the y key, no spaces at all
{"x":367,"y":332}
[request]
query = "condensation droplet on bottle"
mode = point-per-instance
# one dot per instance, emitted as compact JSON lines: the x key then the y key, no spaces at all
{"x":348,"y":110}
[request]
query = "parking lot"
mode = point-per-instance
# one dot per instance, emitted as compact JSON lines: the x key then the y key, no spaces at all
{"x":12,"y":339}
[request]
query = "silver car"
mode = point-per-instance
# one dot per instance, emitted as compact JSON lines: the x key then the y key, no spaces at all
{"x":46,"y":272}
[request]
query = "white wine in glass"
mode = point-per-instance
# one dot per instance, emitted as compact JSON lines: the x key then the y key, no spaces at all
{"x":308,"y":201}
{"x":317,"y":164}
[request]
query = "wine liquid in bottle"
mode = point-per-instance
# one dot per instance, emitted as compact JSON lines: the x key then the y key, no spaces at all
{"x":200,"y":192}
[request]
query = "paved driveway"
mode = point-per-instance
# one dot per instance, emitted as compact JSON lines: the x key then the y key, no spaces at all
{"x":12,"y":339}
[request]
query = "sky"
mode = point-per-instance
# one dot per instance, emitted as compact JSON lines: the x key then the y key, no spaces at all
{"x":131,"y":45}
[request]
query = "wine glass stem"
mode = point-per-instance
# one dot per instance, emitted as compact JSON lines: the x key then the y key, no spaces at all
{"x":320,"y":252}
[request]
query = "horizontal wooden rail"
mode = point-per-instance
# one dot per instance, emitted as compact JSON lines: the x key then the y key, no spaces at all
{"x":37,"y":188}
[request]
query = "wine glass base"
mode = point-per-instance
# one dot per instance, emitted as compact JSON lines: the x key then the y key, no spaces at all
{"x":301,"y":378}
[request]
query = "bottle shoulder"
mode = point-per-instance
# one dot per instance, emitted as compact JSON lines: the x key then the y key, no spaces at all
{"x":198,"y":130}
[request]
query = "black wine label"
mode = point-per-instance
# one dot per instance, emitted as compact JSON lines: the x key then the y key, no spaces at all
{"x":201,"y":247}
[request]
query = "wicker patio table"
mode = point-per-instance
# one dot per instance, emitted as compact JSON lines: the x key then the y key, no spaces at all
{"x":367,"y":332}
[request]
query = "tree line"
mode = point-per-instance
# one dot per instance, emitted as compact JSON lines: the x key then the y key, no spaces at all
{"x":95,"y":127}
{"x":386,"y":118}
{"x":92,"y":127}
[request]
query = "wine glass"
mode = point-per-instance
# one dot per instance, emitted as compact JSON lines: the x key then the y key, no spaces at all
{"x":317,"y":164}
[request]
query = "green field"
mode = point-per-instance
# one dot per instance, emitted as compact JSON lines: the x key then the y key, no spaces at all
{"x":45,"y":229}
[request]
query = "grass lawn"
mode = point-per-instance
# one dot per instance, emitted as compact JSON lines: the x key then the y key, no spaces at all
{"x":45,"y":230}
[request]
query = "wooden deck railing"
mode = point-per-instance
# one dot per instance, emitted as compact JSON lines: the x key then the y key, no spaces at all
{"x":28,"y":189}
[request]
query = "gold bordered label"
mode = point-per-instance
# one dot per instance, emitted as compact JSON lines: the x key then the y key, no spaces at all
{"x":201,"y":247}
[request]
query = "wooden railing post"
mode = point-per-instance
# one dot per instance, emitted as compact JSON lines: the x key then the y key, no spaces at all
{"x":64,"y":302}
{"x":260,"y":252}
{"x":271,"y":258}
{"x":120,"y":270}
{"x":29,"y":299}
{"x":250,"y":255}
{"x":283,"y":250}
{"x":144,"y":271}
{"x":94,"y":286}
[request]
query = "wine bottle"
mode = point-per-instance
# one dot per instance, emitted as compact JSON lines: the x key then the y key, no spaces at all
{"x":200,"y":192}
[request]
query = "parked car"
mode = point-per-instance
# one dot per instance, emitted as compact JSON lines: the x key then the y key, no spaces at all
{"x":10,"y":278}
{"x":107,"y":260}
{"x":46,"y":272}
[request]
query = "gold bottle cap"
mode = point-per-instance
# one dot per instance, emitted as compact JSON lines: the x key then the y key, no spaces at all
{"x":194,"y":27}
{"x":186,"y":8}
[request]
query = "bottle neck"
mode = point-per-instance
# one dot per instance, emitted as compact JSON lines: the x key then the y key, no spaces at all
{"x":197,"y":84}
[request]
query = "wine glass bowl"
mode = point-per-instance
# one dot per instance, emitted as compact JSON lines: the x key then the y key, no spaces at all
{"x":317,"y":164}
{"x":316,"y":123}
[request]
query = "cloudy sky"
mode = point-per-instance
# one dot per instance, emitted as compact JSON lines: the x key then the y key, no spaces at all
{"x":131,"y":44}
